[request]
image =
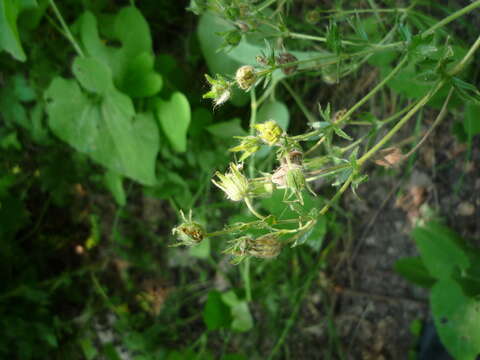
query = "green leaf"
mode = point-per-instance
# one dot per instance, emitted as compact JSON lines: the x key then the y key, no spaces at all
{"x":201,"y":118}
{"x":132,"y":64}
{"x":174,"y":118}
{"x":275,"y":110}
{"x":242,"y":319}
{"x":441,"y":249}
{"x":140,"y":80}
{"x":202,"y":250}
{"x":13,"y":111}
{"x":103,"y":124}
{"x":469,"y":279}
{"x":89,"y":350}
{"x":114,"y":183}
{"x":314,"y":236}
{"x":10,"y":141}
{"x":93,"y":75}
{"x":414,"y":270}
{"x":216,"y":314}
{"x":9,"y":37}
{"x":457,"y":319}
{"x":471,"y":119}
{"x":227,"y":129}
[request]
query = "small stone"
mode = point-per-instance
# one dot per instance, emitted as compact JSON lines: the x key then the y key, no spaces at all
{"x":370,"y":240}
{"x":465,"y":209}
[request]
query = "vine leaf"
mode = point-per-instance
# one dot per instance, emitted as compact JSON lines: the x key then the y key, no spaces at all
{"x":9,"y":37}
{"x":174,"y":118}
{"x":132,"y":64}
{"x":99,"y":121}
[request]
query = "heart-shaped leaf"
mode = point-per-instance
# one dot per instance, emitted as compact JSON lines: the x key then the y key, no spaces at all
{"x":174,"y":117}
{"x":103,"y":123}
{"x":132,"y":64}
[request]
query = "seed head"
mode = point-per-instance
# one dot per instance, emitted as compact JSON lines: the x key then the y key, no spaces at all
{"x":285,"y":58}
{"x":265,"y":247}
{"x":233,"y":183}
{"x":246,"y":77}
{"x":269,"y":132}
{"x":189,"y":233}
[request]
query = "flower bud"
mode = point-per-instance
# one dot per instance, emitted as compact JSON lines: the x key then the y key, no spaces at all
{"x":285,"y":58}
{"x":269,"y":132}
{"x":246,"y":77}
{"x":262,"y":60}
{"x":261,"y":188}
{"x":295,"y":178}
{"x":220,"y":90}
{"x":249,"y":145}
{"x":233,"y":183}
{"x":189,"y":233}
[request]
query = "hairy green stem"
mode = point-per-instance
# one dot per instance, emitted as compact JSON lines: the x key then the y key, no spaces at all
{"x":451,"y":18}
{"x":68,"y":33}
{"x":265,"y":5}
{"x":437,"y":121}
{"x":458,"y":68}
{"x":400,"y":124}
{"x":249,"y":204}
{"x":337,"y":195}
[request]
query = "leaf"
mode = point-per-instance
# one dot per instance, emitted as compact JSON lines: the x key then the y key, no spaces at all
{"x":201,"y":117}
{"x":216,"y":314}
{"x":413,"y":269}
{"x":9,"y":37}
{"x":457,"y":319}
{"x":13,"y":111}
{"x":93,"y":76}
{"x":202,"y":250}
{"x":314,"y":236}
{"x":89,"y":350}
{"x":441,"y":249}
{"x":174,"y":118}
{"x":132,"y":64}
{"x":275,"y":110}
{"x":275,"y":205}
{"x":139,"y":79}
{"x":242,"y":319}
{"x":471,"y":122}
{"x":103,"y":124}
{"x":227,"y":129}
{"x":114,"y":183}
